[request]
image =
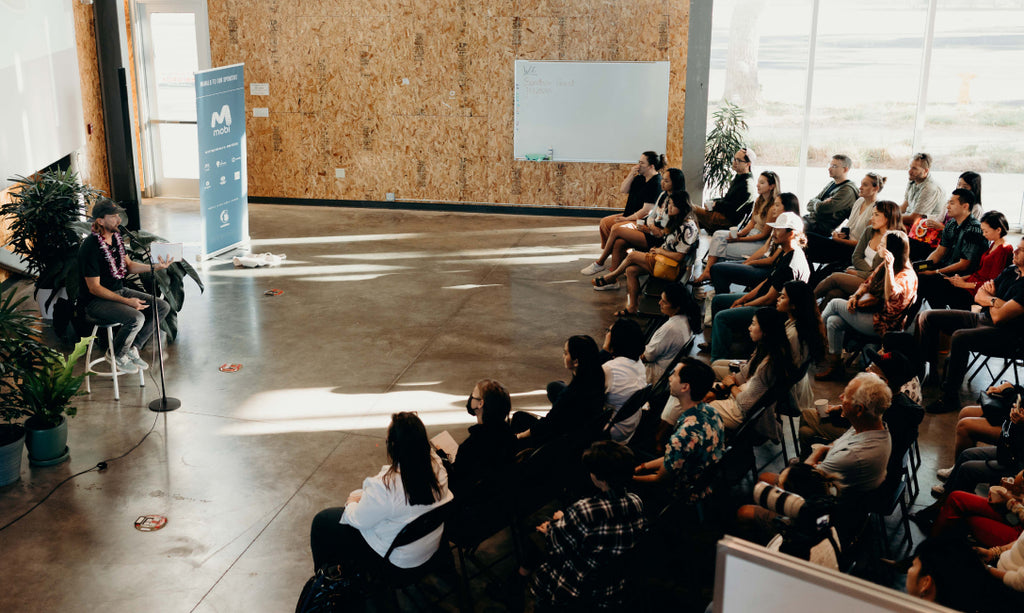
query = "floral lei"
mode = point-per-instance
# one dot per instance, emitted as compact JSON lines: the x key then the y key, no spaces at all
{"x":118,"y":268}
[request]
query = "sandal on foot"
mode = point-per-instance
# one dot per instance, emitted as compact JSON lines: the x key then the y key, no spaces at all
{"x":601,"y":282}
{"x":625,"y":313}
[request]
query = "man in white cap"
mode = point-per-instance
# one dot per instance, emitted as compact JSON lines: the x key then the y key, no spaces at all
{"x":103,"y":264}
{"x":734,"y":311}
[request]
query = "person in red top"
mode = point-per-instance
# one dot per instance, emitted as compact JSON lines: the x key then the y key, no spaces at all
{"x":998,"y":256}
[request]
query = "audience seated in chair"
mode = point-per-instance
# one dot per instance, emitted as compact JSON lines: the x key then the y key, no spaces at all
{"x":642,"y":186}
{"x":770,"y":366}
{"x":806,"y":333}
{"x":681,"y":238}
{"x":948,"y":572}
{"x":866,"y":256}
{"x":839,"y":247}
{"x":490,"y":446}
{"x":669,"y":339}
{"x":730,"y":209}
{"x":996,"y":330}
{"x":956,"y":291}
{"x":361,"y":532}
{"x":698,"y":438}
{"x":743,"y":241}
{"x":624,"y":374}
{"x":832,"y":205}
{"x":572,"y":405}
{"x":583,"y":543}
{"x":642,"y":230}
{"x":923,"y":196}
{"x":985,"y":520}
{"x":732,"y":312}
{"x":960,"y":249}
{"x":879,"y":305}
{"x":798,"y":478}
{"x":981,"y":423}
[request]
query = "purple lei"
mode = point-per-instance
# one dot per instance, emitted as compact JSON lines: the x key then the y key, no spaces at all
{"x":118,"y":268}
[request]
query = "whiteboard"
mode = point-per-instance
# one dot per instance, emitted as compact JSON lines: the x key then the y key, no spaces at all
{"x":590,"y":111}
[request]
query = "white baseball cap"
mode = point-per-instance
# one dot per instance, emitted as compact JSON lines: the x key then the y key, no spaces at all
{"x":788,"y":220}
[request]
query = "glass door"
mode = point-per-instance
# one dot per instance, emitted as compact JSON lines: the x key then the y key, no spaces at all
{"x":174,"y":43}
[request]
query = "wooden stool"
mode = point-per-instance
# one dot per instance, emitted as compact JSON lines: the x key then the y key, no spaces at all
{"x":108,"y":357}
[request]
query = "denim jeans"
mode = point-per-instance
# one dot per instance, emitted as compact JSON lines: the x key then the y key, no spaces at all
{"x":838,"y":319}
{"x":136,"y":326}
{"x":728,"y":324}
{"x":724,"y":274}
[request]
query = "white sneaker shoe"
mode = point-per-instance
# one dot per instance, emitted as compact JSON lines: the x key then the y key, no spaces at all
{"x":124,"y":364}
{"x":943,"y":473}
{"x":611,"y":287}
{"x":133,"y":355}
{"x":593,"y":269}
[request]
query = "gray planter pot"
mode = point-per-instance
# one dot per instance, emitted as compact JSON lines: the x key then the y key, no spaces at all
{"x":10,"y":454}
{"x":46,"y":445}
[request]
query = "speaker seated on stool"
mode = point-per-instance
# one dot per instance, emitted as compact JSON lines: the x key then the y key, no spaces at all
{"x":108,"y":357}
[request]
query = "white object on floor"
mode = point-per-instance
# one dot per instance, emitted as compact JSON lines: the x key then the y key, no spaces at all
{"x":250,"y":260}
{"x":593,"y":269}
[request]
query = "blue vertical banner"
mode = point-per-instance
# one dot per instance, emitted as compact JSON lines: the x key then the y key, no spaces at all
{"x":223,"y":182}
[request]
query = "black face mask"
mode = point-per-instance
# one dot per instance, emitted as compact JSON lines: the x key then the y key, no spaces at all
{"x":469,"y":406}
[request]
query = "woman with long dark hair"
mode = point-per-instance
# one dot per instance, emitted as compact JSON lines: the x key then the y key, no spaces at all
{"x":682,"y":236}
{"x":771,"y":364}
{"x":572,"y":405}
{"x":642,"y":230}
{"x":865,"y":259}
{"x":879,"y":305}
{"x":668,"y":340}
{"x":806,"y":333}
{"x":641,"y":186}
{"x":996,"y":258}
{"x":362,"y":531}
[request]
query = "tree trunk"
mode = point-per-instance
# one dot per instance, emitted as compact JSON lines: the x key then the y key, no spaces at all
{"x":741,"y":85}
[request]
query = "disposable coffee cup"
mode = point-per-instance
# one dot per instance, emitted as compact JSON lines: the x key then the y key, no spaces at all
{"x":822,"y":407}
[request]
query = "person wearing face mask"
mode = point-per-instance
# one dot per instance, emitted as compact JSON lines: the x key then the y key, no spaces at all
{"x":491,"y":444}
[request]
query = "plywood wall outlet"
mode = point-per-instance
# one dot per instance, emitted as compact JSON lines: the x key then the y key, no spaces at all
{"x":339,"y":173}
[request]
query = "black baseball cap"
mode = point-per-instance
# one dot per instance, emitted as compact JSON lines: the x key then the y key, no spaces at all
{"x":105,"y":206}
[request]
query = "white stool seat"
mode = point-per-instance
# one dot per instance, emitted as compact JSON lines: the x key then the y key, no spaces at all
{"x":107,"y":358}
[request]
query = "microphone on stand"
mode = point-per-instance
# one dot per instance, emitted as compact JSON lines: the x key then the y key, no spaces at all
{"x":163,"y":403}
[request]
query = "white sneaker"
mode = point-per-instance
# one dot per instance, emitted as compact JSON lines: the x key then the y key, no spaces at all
{"x":125,"y":365}
{"x":593,"y":269}
{"x":943,"y":473}
{"x":133,"y":355}
{"x":611,"y":287}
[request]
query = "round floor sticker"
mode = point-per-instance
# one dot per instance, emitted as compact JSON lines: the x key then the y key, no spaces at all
{"x":230,"y":367}
{"x":273,"y":292}
{"x":150,"y":523}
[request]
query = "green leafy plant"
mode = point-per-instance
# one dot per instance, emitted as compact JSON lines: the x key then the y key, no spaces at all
{"x":46,"y":393}
{"x":170,"y":282}
{"x":727,"y":136}
{"x":42,"y":212}
{"x":21,"y":351}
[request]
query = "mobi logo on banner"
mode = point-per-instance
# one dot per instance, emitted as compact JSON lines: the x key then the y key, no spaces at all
{"x":223,"y":117}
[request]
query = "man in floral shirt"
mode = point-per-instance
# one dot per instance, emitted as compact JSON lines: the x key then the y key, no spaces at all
{"x":699,"y":438}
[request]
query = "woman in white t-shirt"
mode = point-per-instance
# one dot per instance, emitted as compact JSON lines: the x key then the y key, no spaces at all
{"x":362,"y":531}
{"x":669,"y":339}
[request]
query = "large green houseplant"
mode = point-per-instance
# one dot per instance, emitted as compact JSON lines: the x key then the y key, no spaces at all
{"x":42,"y":212}
{"x":727,"y":136}
{"x":21,"y":355}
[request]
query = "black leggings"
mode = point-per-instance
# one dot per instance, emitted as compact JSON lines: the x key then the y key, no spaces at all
{"x":333,"y":542}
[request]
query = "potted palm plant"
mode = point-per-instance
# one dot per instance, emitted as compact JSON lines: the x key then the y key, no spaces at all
{"x":21,"y":354}
{"x":45,"y":394}
{"x":727,"y":136}
{"x":42,"y":211}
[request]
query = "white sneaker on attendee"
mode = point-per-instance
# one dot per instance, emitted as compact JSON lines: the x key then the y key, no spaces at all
{"x":593,"y":269}
{"x":607,"y":288}
{"x":133,"y":355}
{"x":124,"y":364}
{"x":943,"y":473}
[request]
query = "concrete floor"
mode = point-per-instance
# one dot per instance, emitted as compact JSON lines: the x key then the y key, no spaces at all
{"x":381,"y":311}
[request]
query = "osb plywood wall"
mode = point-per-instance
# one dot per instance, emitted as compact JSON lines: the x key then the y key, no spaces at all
{"x":335,"y":69}
{"x":92,"y":159}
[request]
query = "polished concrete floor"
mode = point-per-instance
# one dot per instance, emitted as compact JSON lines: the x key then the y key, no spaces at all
{"x":381,"y":311}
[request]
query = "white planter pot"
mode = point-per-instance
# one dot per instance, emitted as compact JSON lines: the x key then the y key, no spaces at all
{"x":42,"y":295}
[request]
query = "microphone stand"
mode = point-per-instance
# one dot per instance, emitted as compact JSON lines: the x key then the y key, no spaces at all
{"x":164,"y":403}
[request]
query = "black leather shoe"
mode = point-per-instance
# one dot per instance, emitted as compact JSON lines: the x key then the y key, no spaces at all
{"x":941,"y":406}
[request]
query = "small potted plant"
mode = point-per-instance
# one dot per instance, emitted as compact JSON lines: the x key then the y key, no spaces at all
{"x":21,"y":354}
{"x":45,"y":394}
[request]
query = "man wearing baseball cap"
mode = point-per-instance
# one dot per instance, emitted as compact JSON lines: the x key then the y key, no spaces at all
{"x":733,"y":312}
{"x":103,"y":264}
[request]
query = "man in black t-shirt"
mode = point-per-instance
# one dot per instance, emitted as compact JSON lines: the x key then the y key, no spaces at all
{"x":730,"y":209}
{"x":642,"y":186}
{"x":103,"y":265}
{"x":995,"y":331}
